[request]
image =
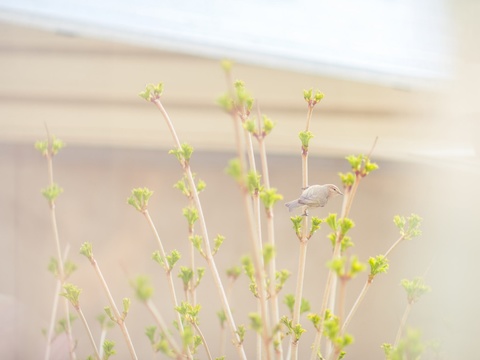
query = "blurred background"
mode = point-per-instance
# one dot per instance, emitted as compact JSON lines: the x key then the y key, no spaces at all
{"x":404,"y":71}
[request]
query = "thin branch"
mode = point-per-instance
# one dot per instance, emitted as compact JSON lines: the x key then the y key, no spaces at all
{"x":51,"y":327}
{"x":355,"y":306}
{"x":168,"y":273}
{"x":163,"y":327}
{"x":331,"y":281}
{"x":303,"y":244}
{"x":204,"y":341}
{"x":68,"y":329}
{"x":402,"y":324}
{"x":272,"y":269}
{"x":209,"y":257}
{"x":90,"y":336}
{"x":118,"y":317}
{"x":394,"y":245}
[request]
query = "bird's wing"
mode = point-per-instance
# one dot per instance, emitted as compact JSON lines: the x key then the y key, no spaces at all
{"x":311,"y":196}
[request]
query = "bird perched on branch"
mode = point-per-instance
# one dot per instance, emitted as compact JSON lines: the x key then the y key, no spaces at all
{"x":314,"y":196}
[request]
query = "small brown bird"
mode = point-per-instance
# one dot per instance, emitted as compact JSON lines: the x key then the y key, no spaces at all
{"x":314,"y":196}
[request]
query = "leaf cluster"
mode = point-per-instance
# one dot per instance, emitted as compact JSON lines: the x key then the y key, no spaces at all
{"x":409,"y":227}
{"x":139,"y":198}
{"x":51,"y":147}
{"x":152,"y":92}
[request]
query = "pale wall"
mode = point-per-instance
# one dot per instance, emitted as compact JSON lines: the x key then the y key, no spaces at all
{"x":93,"y":208}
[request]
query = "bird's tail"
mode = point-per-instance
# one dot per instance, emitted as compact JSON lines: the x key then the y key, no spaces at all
{"x":292,"y":205}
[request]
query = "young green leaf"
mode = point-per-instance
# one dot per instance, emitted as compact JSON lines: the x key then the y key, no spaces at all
{"x":108,"y":349}
{"x":234,"y":169}
{"x":87,"y":250}
{"x":152,"y":92}
{"x":268,"y":253}
{"x":255,"y":322}
{"x":72,"y":294}
{"x":281,"y":278}
{"x":378,"y":265}
{"x":142,"y":287}
{"x":218,"y":241}
{"x":139,"y":198}
{"x":415,"y":289}
{"x":52,"y":192}
{"x":126,"y":306}
{"x":297,"y":225}
{"x":409,"y":227}
{"x":316,"y":222}
{"x":305,"y":137}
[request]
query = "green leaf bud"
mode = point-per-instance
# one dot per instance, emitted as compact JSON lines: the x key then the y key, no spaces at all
{"x":225,"y":102}
{"x":191,"y":214}
{"x":139,"y":198}
{"x":316,"y":222}
{"x":109,"y":313}
{"x":241,"y":331}
{"x":315,"y":319}
{"x":305,"y":137}
{"x":248,"y":267}
{"x":186,"y":274}
{"x":356,"y":266}
{"x":226,"y":65}
{"x":307,"y":95}
{"x":318,"y":96}
{"x":268,"y":125}
{"x":218,"y":241}
{"x":126,"y":306}
{"x":347,"y":179}
{"x":108,"y":349}
{"x":72,"y":294}
{"x":281,"y":278}
{"x":234,"y":169}
{"x":297,"y":224}
{"x":253,"y":182}
{"x":378,"y":265}
{"x":50,"y":148}
{"x":183,"y":154}
{"x":52,"y":192}
{"x":361,"y":164}
{"x":409,"y":227}
{"x":415,"y":289}
{"x":150,"y":332}
{"x":87,"y":250}
{"x":152,"y":92}
{"x":222,"y":318}
{"x":289,"y":300}
{"x":249,"y":125}
{"x":269,"y":197}
{"x":201,"y":185}
{"x":234,"y":272}
{"x":197,"y":241}
{"x":304,"y":306}
{"x":268,"y":253}
{"x":255,"y":322}
{"x":331,"y":220}
{"x":42,"y":146}
{"x":157,"y":257}
{"x":345,"y":225}
{"x":173,"y":258}
{"x":53,"y":266}
{"x":68,"y":268}
{"x":200,"y":274}
{"x":142,"y":287}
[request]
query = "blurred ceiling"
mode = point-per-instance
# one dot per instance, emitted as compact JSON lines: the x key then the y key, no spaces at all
{"x":81,"y":76}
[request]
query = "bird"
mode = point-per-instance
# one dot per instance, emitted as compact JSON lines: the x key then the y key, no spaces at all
{"x":314,"y":196}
